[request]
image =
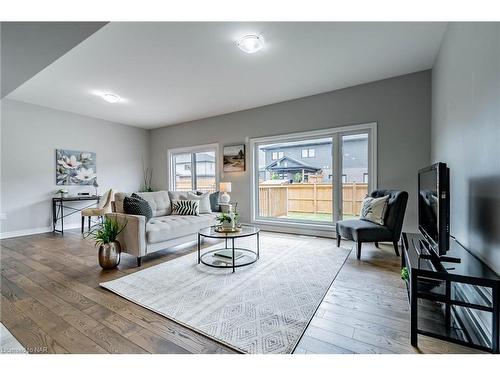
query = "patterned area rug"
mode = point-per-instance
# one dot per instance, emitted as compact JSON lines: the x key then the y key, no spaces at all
{"x":261,"y":308}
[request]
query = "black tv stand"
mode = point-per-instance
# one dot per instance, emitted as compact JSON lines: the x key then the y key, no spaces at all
{"x":440,"y":258}
{"x":453,"y":298}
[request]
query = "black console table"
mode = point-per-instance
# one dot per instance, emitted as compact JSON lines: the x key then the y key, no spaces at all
{"x":58,"y":206}
{"x":455,"y":302}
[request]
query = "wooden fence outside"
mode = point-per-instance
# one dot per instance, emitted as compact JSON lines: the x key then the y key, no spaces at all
{"x":205,"y":184}
{"x":279,"y":200}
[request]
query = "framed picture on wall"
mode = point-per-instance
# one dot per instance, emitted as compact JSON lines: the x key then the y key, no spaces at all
{"x":234,"y":158}
{"x":75,"y":167}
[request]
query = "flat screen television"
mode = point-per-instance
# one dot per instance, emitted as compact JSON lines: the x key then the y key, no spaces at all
{"x":434,"y":206}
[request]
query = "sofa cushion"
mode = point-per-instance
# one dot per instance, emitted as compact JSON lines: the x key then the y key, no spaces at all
{"x":135,"y":205}
{"x":160,"y":229}
{"x":186,"y":207}
{"x":159,"y":202}
{"x":178,"y":195}
{"x":204,"y":199}
{"x":119,"y":197}
{"x":214,"y":202}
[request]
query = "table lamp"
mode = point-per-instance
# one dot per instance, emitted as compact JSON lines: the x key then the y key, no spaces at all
{"x":225,"y":188}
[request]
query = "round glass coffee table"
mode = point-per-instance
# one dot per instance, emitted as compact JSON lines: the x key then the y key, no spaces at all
{"x":229,"y":256}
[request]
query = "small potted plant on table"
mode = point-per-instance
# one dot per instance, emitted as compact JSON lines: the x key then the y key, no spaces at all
{"x":228,"y":220}
{"x":105,"y":237}
{"x":62,"y":192}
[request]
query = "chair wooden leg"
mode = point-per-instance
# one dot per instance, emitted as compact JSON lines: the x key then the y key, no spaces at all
{"x":139,"y":261}
{"x":358,"y":253}
{"x":338,"y":240}
{"x":396,"y":247}
{"x":83,"y":223}
{"x":90,"y":217}
{"x":376,"y":245}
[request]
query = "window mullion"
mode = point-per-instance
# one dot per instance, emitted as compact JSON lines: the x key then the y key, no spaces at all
{"x":193,"y":172}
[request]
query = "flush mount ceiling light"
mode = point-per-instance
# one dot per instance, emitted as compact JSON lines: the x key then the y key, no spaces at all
{"x":251,"y":43}
{"x":110,"y":98}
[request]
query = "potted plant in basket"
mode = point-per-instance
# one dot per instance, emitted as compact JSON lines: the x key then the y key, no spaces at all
{"x":105,"y":237}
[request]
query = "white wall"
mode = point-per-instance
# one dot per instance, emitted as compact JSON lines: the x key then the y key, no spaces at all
{"x":29,"y":137}
{"x":466,"y":132}
{"x":400,"y":106}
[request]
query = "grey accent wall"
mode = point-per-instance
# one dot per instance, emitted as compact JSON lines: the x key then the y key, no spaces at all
{"x":466,"y":132}
{"x":400,"y":106}
{"x":29,"y":137}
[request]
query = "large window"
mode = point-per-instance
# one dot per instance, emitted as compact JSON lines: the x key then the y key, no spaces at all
{"x":193,"y":168}
{"x":323,"y":177}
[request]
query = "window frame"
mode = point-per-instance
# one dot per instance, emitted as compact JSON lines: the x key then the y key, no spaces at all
{"x":336,"y":133}
{"x":192,"y":150}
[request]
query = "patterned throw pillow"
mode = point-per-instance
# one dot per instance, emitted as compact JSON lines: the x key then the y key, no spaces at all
{"x":373,"y":209}
{"x":135,"y":205}
{"x":186,"y":207}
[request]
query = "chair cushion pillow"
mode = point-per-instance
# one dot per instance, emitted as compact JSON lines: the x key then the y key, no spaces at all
{"x":135,"y":205}
{"x":373,"y":209}
{"x":185,"y":207}
{"x":204,"y":199}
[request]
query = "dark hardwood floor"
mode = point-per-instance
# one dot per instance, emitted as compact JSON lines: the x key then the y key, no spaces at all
{"x":51,"y":302}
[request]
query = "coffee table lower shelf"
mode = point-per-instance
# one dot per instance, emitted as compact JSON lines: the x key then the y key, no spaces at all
{"x":208,"y":259}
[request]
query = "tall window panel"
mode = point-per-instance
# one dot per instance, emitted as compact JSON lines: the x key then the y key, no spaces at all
{"x":354,"y":173}
{"x":193,"y":169}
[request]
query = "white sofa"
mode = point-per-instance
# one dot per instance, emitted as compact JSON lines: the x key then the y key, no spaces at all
{"x":163,"y":230}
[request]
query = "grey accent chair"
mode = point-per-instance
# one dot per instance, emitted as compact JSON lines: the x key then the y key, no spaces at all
{"x":361,"y":231}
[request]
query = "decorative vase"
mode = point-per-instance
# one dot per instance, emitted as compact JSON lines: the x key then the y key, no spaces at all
{"x":228,"y":225}
{"x":109,"y":255}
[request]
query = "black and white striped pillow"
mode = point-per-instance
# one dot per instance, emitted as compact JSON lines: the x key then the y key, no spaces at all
{"x":186,"y":207}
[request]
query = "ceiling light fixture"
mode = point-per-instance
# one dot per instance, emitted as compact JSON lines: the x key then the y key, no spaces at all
{"x":111,"y":98}
{"x":251,"y":43}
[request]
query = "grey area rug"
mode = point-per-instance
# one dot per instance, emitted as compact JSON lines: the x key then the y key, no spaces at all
{"x":261,"y":308}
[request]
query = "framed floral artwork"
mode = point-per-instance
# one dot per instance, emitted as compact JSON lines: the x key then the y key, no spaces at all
{"x":75,"y":167}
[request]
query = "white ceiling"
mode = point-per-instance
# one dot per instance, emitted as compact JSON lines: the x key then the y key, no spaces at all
{"x":170,"y":73}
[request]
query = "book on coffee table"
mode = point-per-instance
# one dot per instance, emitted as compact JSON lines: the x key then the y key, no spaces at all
{"x":227,"y":254}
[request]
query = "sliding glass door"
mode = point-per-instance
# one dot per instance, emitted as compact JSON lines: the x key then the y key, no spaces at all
{"x":312,"y":178}
{"x":295,"y":180}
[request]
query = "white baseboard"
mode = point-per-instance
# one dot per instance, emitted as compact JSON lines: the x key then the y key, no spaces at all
{"x":31,"y":231}
{"x":297,"y":230}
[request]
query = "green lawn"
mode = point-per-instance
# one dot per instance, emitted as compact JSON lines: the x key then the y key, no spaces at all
{"x":314,"y":217}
